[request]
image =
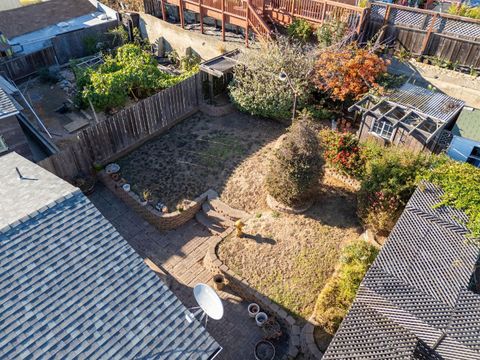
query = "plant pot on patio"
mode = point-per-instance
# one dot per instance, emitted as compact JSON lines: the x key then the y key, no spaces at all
{"x":261,"y":318}
{"x":264,"y":350}
{"x":253,"y":310}
{"x":219,"y":282}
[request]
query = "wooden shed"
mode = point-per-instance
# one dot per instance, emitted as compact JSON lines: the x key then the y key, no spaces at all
{"x":411,"y":116}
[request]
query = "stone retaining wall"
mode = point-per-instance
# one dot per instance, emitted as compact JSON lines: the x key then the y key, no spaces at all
{"x":162,"y":221}
{"x":242,"y":287}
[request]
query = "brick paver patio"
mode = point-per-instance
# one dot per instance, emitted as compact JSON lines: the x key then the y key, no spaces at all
{"x":179,"y":253}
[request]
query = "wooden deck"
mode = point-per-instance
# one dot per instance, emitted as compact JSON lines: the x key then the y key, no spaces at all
{"x":257,"y":15}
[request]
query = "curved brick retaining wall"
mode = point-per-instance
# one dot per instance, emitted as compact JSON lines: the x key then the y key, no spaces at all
{"x":162,"y":221}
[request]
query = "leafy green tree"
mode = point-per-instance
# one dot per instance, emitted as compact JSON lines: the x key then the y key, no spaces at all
{"x":460,"y":183}
{"x":256,"y":88}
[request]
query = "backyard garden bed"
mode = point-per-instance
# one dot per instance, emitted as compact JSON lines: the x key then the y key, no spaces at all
{"x":196,"y":155}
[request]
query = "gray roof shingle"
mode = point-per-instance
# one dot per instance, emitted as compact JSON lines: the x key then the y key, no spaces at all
{"x":418,"y":287}
{"x":70,"y":286}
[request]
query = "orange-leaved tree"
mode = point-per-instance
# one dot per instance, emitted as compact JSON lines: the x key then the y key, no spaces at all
{"x":348,"y":72}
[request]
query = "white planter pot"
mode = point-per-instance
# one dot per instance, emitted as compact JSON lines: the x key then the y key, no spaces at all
{"x":253,"y":310}
{"x":261,"y":318}
{"x":126,"y":187}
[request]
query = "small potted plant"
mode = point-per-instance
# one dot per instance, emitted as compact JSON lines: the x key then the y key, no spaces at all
{"x":86,"y":184}
{"x":261,"y":318}
{"x":253,"y":310}
{"x":219,"y":282}
{"x":147,"y":197}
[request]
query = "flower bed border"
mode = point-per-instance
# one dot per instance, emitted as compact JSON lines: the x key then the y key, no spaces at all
{"x":162,"y":221}
{"x":243,"y":288}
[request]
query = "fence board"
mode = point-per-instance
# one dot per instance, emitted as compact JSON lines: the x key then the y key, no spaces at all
{"x":125,"y":130}
{"x":424,"y":32}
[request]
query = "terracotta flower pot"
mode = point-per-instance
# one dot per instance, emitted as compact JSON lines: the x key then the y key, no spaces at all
{"x":219,"y":282}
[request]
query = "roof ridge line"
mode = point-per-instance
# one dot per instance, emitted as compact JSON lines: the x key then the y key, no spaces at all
{"x":49,"y":205}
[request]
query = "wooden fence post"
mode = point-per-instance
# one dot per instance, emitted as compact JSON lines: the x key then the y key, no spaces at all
{"x":387,"y":15}
{"x":324,"y":10}
{"x":181,"y":13}
{"x":223,"y":20}
{"x":164,"y":10}
{"x":426,"y":39}
{"x":246,"y":25}
{"x":201,"y":15}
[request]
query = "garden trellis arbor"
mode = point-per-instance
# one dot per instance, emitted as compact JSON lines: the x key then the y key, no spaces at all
{"x":256,"y":15}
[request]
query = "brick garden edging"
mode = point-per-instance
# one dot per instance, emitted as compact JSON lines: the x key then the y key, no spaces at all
{"x":307,"y":341}
{"x":162,"y":221}
{"x":242,"y":287}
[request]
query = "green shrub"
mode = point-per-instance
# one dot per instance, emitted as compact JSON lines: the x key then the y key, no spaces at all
{"x":339,"y":292}
{"x":132,"y":72}
{"x":387,"y":185}
{"x":465,"y":10}
{"x":296,"y":167}
{"x":331,"y":32}
{"x":460,"y":183}
{"x":256,"y":88}
{"x":300,"y":29}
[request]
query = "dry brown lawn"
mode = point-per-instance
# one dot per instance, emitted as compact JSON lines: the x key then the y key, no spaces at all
{"x":287,"y":257}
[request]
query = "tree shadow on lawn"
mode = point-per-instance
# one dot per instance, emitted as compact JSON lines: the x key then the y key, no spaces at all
{"x":335,"y":206}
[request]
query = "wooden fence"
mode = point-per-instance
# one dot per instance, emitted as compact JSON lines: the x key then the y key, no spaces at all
{"x":73,"y":44}
{"x":126,"y":130}
{"x":427,"y":33}
{"x":19,"y":67}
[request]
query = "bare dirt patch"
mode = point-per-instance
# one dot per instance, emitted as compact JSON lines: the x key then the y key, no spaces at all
{"x":200,"y":153}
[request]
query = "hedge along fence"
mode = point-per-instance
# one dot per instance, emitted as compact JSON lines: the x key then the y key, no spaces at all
{"x":426,"y":33}
{"x":131,"y":127}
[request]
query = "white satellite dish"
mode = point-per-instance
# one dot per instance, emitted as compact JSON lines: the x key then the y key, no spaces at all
{"x":209,"y":304}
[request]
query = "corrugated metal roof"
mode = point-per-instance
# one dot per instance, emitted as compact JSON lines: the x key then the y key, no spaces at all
{"x":72,"y":287}
{"x":431,"y":103}
{"x":7,"y":108}
{"x":468,"y":125}
{"x":417,"y":290}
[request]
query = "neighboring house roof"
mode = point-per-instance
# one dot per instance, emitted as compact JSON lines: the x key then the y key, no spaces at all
{"x":7,"y":107}
{"x":34,"y":17}
{"x":72,"y":287}
{"x":415,"y":302}
{"x":468,"y":125}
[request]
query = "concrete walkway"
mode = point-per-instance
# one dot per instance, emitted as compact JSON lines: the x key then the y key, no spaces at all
{"x":179,"y":254}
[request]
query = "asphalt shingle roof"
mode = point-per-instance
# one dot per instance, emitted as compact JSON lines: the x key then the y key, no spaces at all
{"x":72,"y":287}
{"x":34,"y":17}
{"x":414,"y":302}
